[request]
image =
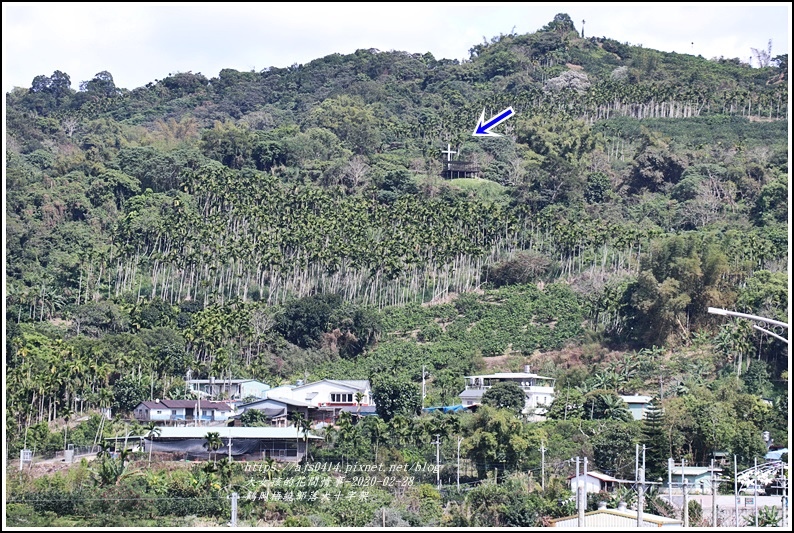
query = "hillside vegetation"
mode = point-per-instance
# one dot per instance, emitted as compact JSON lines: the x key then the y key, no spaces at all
{"x":293,"y":224}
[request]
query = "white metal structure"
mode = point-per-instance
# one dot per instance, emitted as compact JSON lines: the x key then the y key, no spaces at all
{"x":725,"y":312}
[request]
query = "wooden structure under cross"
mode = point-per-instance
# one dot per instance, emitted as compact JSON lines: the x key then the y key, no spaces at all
{"x":458,"y":169}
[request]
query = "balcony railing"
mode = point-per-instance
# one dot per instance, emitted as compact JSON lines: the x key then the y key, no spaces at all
{"x":539,"y":389}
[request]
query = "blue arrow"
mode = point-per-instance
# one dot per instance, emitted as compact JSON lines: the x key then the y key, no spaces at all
{"x":483,"y":128}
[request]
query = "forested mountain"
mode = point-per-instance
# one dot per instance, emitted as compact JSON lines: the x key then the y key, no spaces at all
{"x":293,"y":223}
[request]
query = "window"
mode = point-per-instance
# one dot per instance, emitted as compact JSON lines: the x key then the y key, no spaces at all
{"x":159,"y":412}
{"x":173,"y":411}
{"x":341,"y":398}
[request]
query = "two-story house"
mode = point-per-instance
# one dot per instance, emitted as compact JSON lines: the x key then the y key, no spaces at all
{"x":182,"y":410}
{"x":328,"y":396}
{"x":231,"y":389}
{"x":538,"y":390}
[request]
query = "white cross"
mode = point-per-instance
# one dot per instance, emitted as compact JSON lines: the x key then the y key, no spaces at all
{"x":449,"y":152}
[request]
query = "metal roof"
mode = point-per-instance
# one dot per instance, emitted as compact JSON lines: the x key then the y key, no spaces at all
{"x":616,"y":518}
{"x":503,"y":375}
{"x":354,"y":384}
{"x":250,"y":405}
{"x":776,"y":455}
{"x":602,"y":477}
{"x":290,"y":401}
{"x":636,"y":399}
{"x":361,"y":384}
{"x":233,"y":432}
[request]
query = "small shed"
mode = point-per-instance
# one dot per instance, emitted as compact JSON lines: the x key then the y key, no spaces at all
{"x":698,"y":478}
{"x":637,"y":405}
{"x":595,"y":482}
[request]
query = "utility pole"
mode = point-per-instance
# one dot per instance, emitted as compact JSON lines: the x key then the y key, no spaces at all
{"x":423,"y":386}
{"x":583,"y":509}
{"x":229,"y":444}
{"x":640,"y":496}
{"x":641,"y":491}
{"x":670,"y":463}
{"x":686,"y":502}
{"x":233,"y":521}
{"x":565,"y":414}
{"x":542,"y":467}
{"x":460,"y":439}
{"x":755,"y":491}
{"x":636,"y":462}
{"x":713,"y":497}
{"x":735,"y":491}
{"x":683,"y":491}
{"x":579,"y":509}
{"x":438,"y":462}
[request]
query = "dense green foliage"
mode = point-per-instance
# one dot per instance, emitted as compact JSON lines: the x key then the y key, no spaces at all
{"x":507,"y":395}
{"x":292,"y":224}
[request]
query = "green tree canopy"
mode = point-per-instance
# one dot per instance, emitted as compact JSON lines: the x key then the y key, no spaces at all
{"x":506,"y":395}
{"x":605,"y":404}
{"x":394,"y":396}
{"x":498,"y":439}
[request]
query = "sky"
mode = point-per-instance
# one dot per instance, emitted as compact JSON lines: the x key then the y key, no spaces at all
{"x":139,"y":43}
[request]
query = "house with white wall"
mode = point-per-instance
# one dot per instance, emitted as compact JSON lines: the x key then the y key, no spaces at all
{"x":327,"y":396}
{"x":538,"y":390}
{"x":181,"y":410}
{"x":595,"y":481}
{"x":231,"y":389}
